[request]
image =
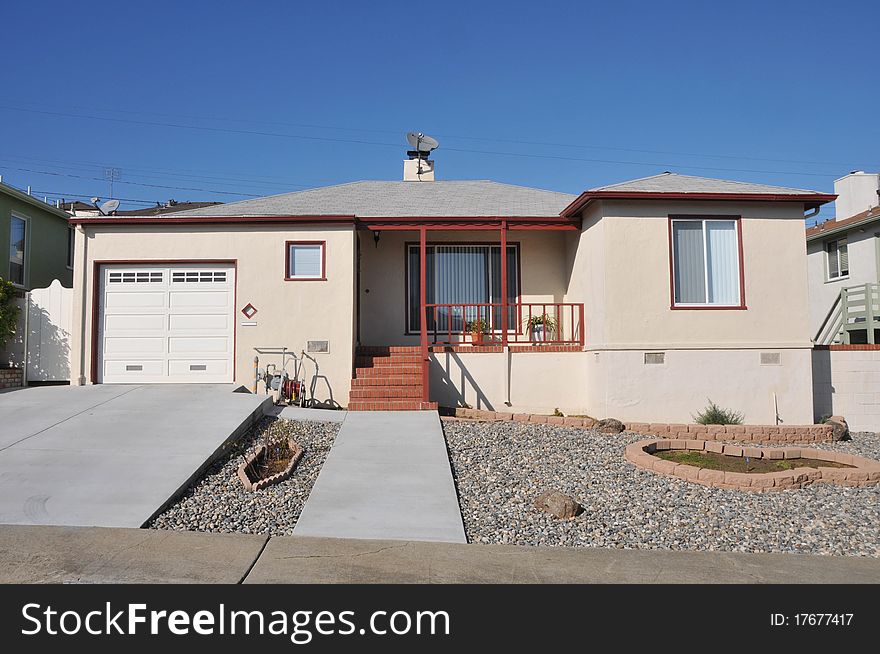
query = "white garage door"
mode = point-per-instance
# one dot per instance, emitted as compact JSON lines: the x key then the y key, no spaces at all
{"x":166,"y":323}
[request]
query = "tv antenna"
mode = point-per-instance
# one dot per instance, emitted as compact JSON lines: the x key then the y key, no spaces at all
{"x":111,"y":175}
{"x":423,"y":146}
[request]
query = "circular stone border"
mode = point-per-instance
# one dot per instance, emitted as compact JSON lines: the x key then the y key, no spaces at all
{"x":866,"y":472}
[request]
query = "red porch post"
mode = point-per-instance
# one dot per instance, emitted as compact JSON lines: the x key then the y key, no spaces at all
{"x":503,"y":283}
{"x":423,"y":323}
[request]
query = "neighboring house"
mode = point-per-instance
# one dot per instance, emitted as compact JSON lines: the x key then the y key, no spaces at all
{"x":81,"y":209}
{"x":36,"y":240}
{"x":663,"y":292}
{"x":844,"y":264}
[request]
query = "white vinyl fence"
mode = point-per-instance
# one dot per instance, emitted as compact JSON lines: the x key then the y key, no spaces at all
{"x":48,"y":333}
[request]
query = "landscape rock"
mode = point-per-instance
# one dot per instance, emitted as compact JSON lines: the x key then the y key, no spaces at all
{"x":558,"y":504}
{"x":610,"y":426}
{"x":839,"y":428}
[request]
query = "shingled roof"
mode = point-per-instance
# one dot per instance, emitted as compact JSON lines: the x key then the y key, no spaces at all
{"x":376,"y":199}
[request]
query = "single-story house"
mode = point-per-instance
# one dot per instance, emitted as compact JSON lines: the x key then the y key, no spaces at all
{"x":638,"y":300}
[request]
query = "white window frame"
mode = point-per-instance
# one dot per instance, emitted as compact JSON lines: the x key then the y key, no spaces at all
{"x":321,"y":276}
{"x":25,"y":259}
{"x":739,"y":262}
{"x":837,"y":241}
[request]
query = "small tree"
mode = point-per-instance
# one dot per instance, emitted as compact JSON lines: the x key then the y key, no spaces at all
{"x":8,"y":311}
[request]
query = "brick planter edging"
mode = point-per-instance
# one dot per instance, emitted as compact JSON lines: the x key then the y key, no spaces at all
{"x":747,"y":433}
{"x":11,"y":377}
{"x":866,"y":472}
{"x":274,"y":479}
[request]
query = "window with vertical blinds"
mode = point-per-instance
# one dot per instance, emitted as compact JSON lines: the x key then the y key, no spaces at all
{"x":305,"y":260}
{"x":705,"y":262}
{"x":461,"y":275}
{"x":838,"y":258}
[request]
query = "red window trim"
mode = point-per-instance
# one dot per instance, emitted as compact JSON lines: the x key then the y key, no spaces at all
{"x":742,"y":276}
{"x":406,"y":246}
{"x":288,"y":278}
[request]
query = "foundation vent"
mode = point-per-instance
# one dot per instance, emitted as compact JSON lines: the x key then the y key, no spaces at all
{"x":655,"y":358}
{"x":771,"y":359}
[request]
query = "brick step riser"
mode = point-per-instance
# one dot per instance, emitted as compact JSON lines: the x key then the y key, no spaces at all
{"x":376,"y":362}
{"x":391,"y":405}
{"x":382,"y":380}
{"x":370,"y":350}
{"x":388,"y":371}
{"x":399,"y":393}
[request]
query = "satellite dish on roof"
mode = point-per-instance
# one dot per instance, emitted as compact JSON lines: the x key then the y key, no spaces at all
{"x":109,"y":207}
{"x":422,"y":142}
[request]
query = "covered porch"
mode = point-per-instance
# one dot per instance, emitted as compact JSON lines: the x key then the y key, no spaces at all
{"x":431,"y":295}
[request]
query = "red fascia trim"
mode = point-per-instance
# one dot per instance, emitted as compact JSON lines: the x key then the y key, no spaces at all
{"x":96,"y":289}
{"x":811,"y":199}
{"x":742,"y":274}
{"x":208,"y":220}
{"x":322,"y":278}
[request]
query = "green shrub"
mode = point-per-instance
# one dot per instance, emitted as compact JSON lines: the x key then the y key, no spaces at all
{"x":8,"y":311}
{"x":715,"y":415}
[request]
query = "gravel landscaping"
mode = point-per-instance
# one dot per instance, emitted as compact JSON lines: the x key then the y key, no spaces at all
{"x":501,"y":467}
{"x":218,"y":501}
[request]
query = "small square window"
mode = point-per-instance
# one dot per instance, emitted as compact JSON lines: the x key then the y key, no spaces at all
{"x":305,"y":260}
{"x":249,"y":311}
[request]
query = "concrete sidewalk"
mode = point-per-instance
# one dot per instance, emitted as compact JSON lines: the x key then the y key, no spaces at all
{"x":387,"y":476}
{"x":110,"y":455}
{"x":32,"y":554}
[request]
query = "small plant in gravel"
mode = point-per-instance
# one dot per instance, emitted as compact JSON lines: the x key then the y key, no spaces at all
{"x":715,"y":415}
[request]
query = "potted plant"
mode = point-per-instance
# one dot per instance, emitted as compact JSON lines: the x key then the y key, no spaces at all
{"x":541,"y":327}
{"x":477,"y":328}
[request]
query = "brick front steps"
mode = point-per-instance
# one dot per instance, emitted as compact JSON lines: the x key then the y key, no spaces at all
{"x":865,"y":473}
{"x":746,"y":433}
{"x":388,"y":379}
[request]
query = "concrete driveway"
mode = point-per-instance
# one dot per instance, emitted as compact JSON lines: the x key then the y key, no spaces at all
{"x":113,"y":455}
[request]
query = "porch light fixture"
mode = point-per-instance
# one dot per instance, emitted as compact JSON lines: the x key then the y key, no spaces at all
{"x":376,"y":237}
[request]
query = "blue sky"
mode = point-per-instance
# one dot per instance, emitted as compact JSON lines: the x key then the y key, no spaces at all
{"x":224,"y":101}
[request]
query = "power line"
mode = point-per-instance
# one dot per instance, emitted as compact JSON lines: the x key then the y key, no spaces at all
{"x":101,"y":179}
{"x":206,"y":128}
{"x":470,"y":138}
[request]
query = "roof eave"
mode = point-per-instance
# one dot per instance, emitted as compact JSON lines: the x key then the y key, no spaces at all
{"x":30,"y":199}
{"x":810,"y":200}
{"x":822,"y":233}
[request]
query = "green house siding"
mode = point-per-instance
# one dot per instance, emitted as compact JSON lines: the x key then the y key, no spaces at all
{"x":46,"y":241}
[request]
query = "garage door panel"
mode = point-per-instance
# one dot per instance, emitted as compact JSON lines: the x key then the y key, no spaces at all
{"x":200,"y":299}
{"x":135,"y":299}
{"x":198,"y":322}
{"x":134,"y":344}
{"x":184,"y":344}
{"x":128,"y":323}
{"x":167,"y":324}
{"x":135,"y":368}
{"x":198,"y":367}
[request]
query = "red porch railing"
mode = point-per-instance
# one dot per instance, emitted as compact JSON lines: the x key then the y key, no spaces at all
{"x":538,"y":323}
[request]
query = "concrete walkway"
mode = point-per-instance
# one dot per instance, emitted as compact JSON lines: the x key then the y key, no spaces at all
{"x":387,"y":476}
{"x":110,"y":455}
{"x":31,"y":554}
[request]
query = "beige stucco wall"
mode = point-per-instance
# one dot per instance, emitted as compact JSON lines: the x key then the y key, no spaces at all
{"x":289,"y":313}
{"x":847,"y":383}
{"x":621,"y":385}
{"x":383,"y":276}
{"x":637,"y":292}
{"x":539,"y":382}
{"x":862,"y":250}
